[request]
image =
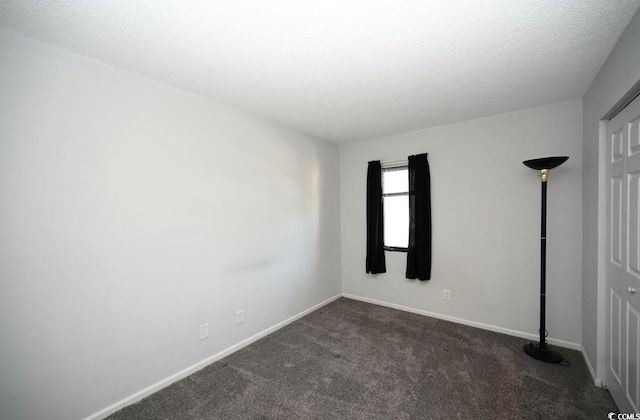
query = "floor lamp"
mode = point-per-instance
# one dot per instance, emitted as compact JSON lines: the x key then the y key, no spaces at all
{"x":542,"y":351}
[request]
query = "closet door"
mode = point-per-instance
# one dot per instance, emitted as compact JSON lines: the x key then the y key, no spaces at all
{"x":623,"y":258}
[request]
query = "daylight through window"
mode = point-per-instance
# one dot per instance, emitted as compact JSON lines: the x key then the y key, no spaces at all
{"x":395,"y":198}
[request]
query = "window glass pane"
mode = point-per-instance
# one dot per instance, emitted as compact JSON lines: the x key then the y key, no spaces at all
{"x":396,"y":221}
{"x":395,"y":181}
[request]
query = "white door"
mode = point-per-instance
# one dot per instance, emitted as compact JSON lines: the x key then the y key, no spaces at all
{"x":623,"y":258}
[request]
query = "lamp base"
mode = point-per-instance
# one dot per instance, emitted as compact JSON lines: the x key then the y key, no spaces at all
{"x":543,"y":353}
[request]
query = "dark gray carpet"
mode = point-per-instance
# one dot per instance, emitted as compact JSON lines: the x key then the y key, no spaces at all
{"x":354,"y":360}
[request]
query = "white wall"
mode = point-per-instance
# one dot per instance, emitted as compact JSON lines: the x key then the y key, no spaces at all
{"x":486,"y":221}
{"x":133,"y":212}
{"x":619,"y":73}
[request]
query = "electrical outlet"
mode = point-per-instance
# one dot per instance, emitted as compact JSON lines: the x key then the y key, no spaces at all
{"x":204,"y":331}
{"x":446,"y":294}
{"x":240,"y":316}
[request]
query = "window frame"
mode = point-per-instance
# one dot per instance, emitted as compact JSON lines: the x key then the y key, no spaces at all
{"x":395,"y":167}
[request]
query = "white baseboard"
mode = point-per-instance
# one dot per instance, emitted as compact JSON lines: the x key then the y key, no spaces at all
{"x":596,"y":381}
{"x":494,"y":328}
{"x":203,"y":363}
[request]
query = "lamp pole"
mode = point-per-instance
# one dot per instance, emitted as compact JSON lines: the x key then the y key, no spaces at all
{"x":542,"y":351}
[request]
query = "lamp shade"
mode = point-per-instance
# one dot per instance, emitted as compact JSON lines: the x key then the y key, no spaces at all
{"x":546,"y":163}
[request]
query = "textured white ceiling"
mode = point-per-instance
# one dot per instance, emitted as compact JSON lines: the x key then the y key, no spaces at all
{"x":345,"y":70}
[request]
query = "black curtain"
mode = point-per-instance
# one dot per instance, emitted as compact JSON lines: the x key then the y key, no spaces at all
{"x":419,"y":252}
{"x":375,"y":221}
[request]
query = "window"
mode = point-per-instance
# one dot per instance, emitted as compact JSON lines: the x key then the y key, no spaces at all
{"x":395,"y":198}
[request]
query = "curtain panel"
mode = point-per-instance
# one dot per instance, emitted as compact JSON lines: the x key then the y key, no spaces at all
{"x":419,"y":250}
{"x":375,"y":220}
